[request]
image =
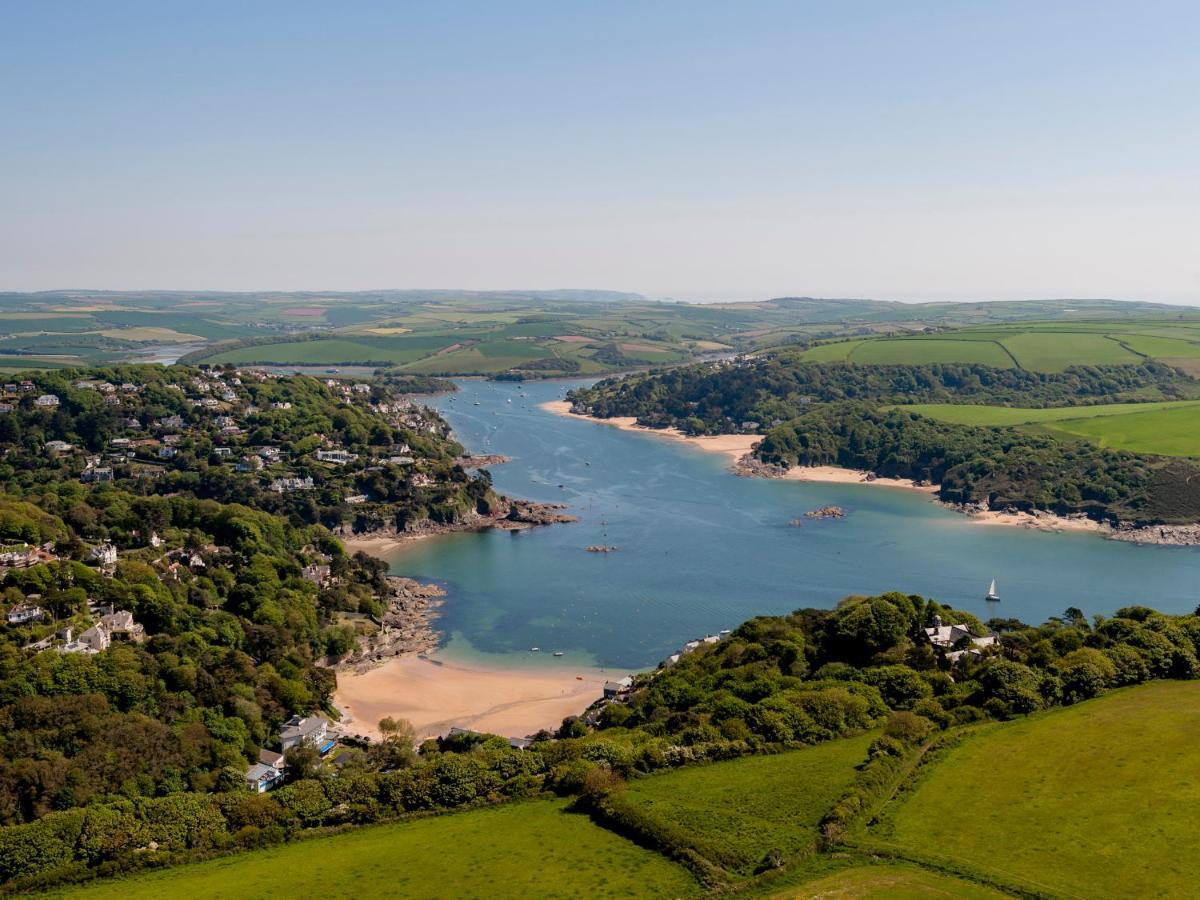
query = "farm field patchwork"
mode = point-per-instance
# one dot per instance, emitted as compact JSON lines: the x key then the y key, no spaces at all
{"x":739,"y":811}
{"x":522,"y":850}
{"x":1096,"y":800}
{"x":1035,"y":346}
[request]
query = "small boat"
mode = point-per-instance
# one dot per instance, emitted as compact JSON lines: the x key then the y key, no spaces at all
{"x":558,"y":653}
{"x":534,"y":649}
{"x":991,"y":594}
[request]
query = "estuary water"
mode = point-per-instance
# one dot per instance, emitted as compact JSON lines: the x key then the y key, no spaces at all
{"x":701,"y":549}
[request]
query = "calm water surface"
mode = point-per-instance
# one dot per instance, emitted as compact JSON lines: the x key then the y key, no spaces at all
{"x":702,"y":550}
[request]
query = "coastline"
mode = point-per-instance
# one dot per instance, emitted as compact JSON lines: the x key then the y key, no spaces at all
{"x":435,"y":695}
{"x":738,"y":446}
{"x":518,"y":515}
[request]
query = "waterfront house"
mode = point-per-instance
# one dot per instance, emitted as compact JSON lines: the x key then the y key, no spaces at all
{"x":310,"y":731}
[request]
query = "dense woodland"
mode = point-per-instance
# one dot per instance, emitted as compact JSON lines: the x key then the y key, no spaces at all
{"x":718,"y":398}
{"x":852,"y":416}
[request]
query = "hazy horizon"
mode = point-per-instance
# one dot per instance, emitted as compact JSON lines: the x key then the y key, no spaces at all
{"x":692,"y":151}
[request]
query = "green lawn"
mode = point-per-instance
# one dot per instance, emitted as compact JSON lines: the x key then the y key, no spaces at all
{"x":890,"y":881}
{"x":1169,"y":428}
{"x":523,"y":850}
{"x":738,"y":811}
{"x":1097,"y":800}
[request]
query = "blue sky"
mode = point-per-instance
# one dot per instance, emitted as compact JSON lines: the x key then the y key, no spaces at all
{"x":908,"y":150}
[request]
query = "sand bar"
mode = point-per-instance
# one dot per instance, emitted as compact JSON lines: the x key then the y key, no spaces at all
{"x":436,"y":695}
{"x":736,"y":446}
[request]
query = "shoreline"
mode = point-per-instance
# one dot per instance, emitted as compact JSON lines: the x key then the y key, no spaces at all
{"x":738,"y":446}
{"x":520,"y":515}
{"x":435,"y":695}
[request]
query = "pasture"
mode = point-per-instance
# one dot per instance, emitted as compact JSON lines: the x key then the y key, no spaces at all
{"x":1096,"y":800}
{"x":1169,"y":428}
{"x":1035,"y":346}
{"x":736,"y":812}
{"x":533,"y":849}
{"x":886,"y":881}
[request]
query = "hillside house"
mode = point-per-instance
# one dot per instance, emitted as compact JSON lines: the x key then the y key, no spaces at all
{"x":59,"y":446}
{"x":288,"y":485}
{"x":261,"y":778}
{"x":121,"y":623}
{"x":46,"y":401}
{"x":24,"y":613}
{"x":96,"y":475}
{"x":337,"y":457}
{"x":945,"y":637}
{"x":103,"y":554}
{"x":310,"y":731}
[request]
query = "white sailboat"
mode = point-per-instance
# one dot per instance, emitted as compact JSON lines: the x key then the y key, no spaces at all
{"x":991,"y":594}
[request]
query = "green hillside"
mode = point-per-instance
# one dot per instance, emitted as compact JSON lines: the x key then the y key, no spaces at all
{"x":535,"y":849}
{"x":1095,"y":801}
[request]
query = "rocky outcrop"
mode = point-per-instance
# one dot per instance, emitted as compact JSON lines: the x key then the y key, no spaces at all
{"x":405,"y":628}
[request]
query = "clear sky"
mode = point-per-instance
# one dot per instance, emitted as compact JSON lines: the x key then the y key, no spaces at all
{"x":906,"y":149}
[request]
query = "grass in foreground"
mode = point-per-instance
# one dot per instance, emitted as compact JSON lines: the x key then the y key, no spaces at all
{"x":533,"y":849}
{"x":894,"y":881}
{"x":739,"y":811}
{"x":1097,"y":800}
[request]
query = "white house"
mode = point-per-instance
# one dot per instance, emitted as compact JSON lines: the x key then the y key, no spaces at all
{"x":309,"y":731}
{"x":261,"y":778}
{"x":24,"y":613}
{"x":46,"y":400}
{"x":104,"y":554}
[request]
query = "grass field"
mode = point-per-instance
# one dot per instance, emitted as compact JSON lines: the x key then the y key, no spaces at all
{"x":739,"y":811}
{"x":1036,"y":346}
{"x":1169,"y":428}
{"x":894,"y":881}
{"x":1097,"y":800}
{"x":533,"y":849}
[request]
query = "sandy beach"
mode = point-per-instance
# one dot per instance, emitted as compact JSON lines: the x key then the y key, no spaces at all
{"x":736,"y":446}
{"x":381,"y":546}
{"x":1038,"y":521}
{"x":435,"y":695}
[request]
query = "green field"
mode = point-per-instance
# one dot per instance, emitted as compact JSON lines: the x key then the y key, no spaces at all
{"x":534,"y":849}
{"x":1097,"y":800}
{"x":1169,"y":428}
{"x":894,"y":881}
{"x":1035,"y":346}
{"x":739,"y":811}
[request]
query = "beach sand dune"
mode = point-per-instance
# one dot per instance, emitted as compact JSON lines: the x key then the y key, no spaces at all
{"x":436,"y":695}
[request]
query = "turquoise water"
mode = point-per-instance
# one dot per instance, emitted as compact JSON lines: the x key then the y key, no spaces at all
{"x":702,"y":550}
